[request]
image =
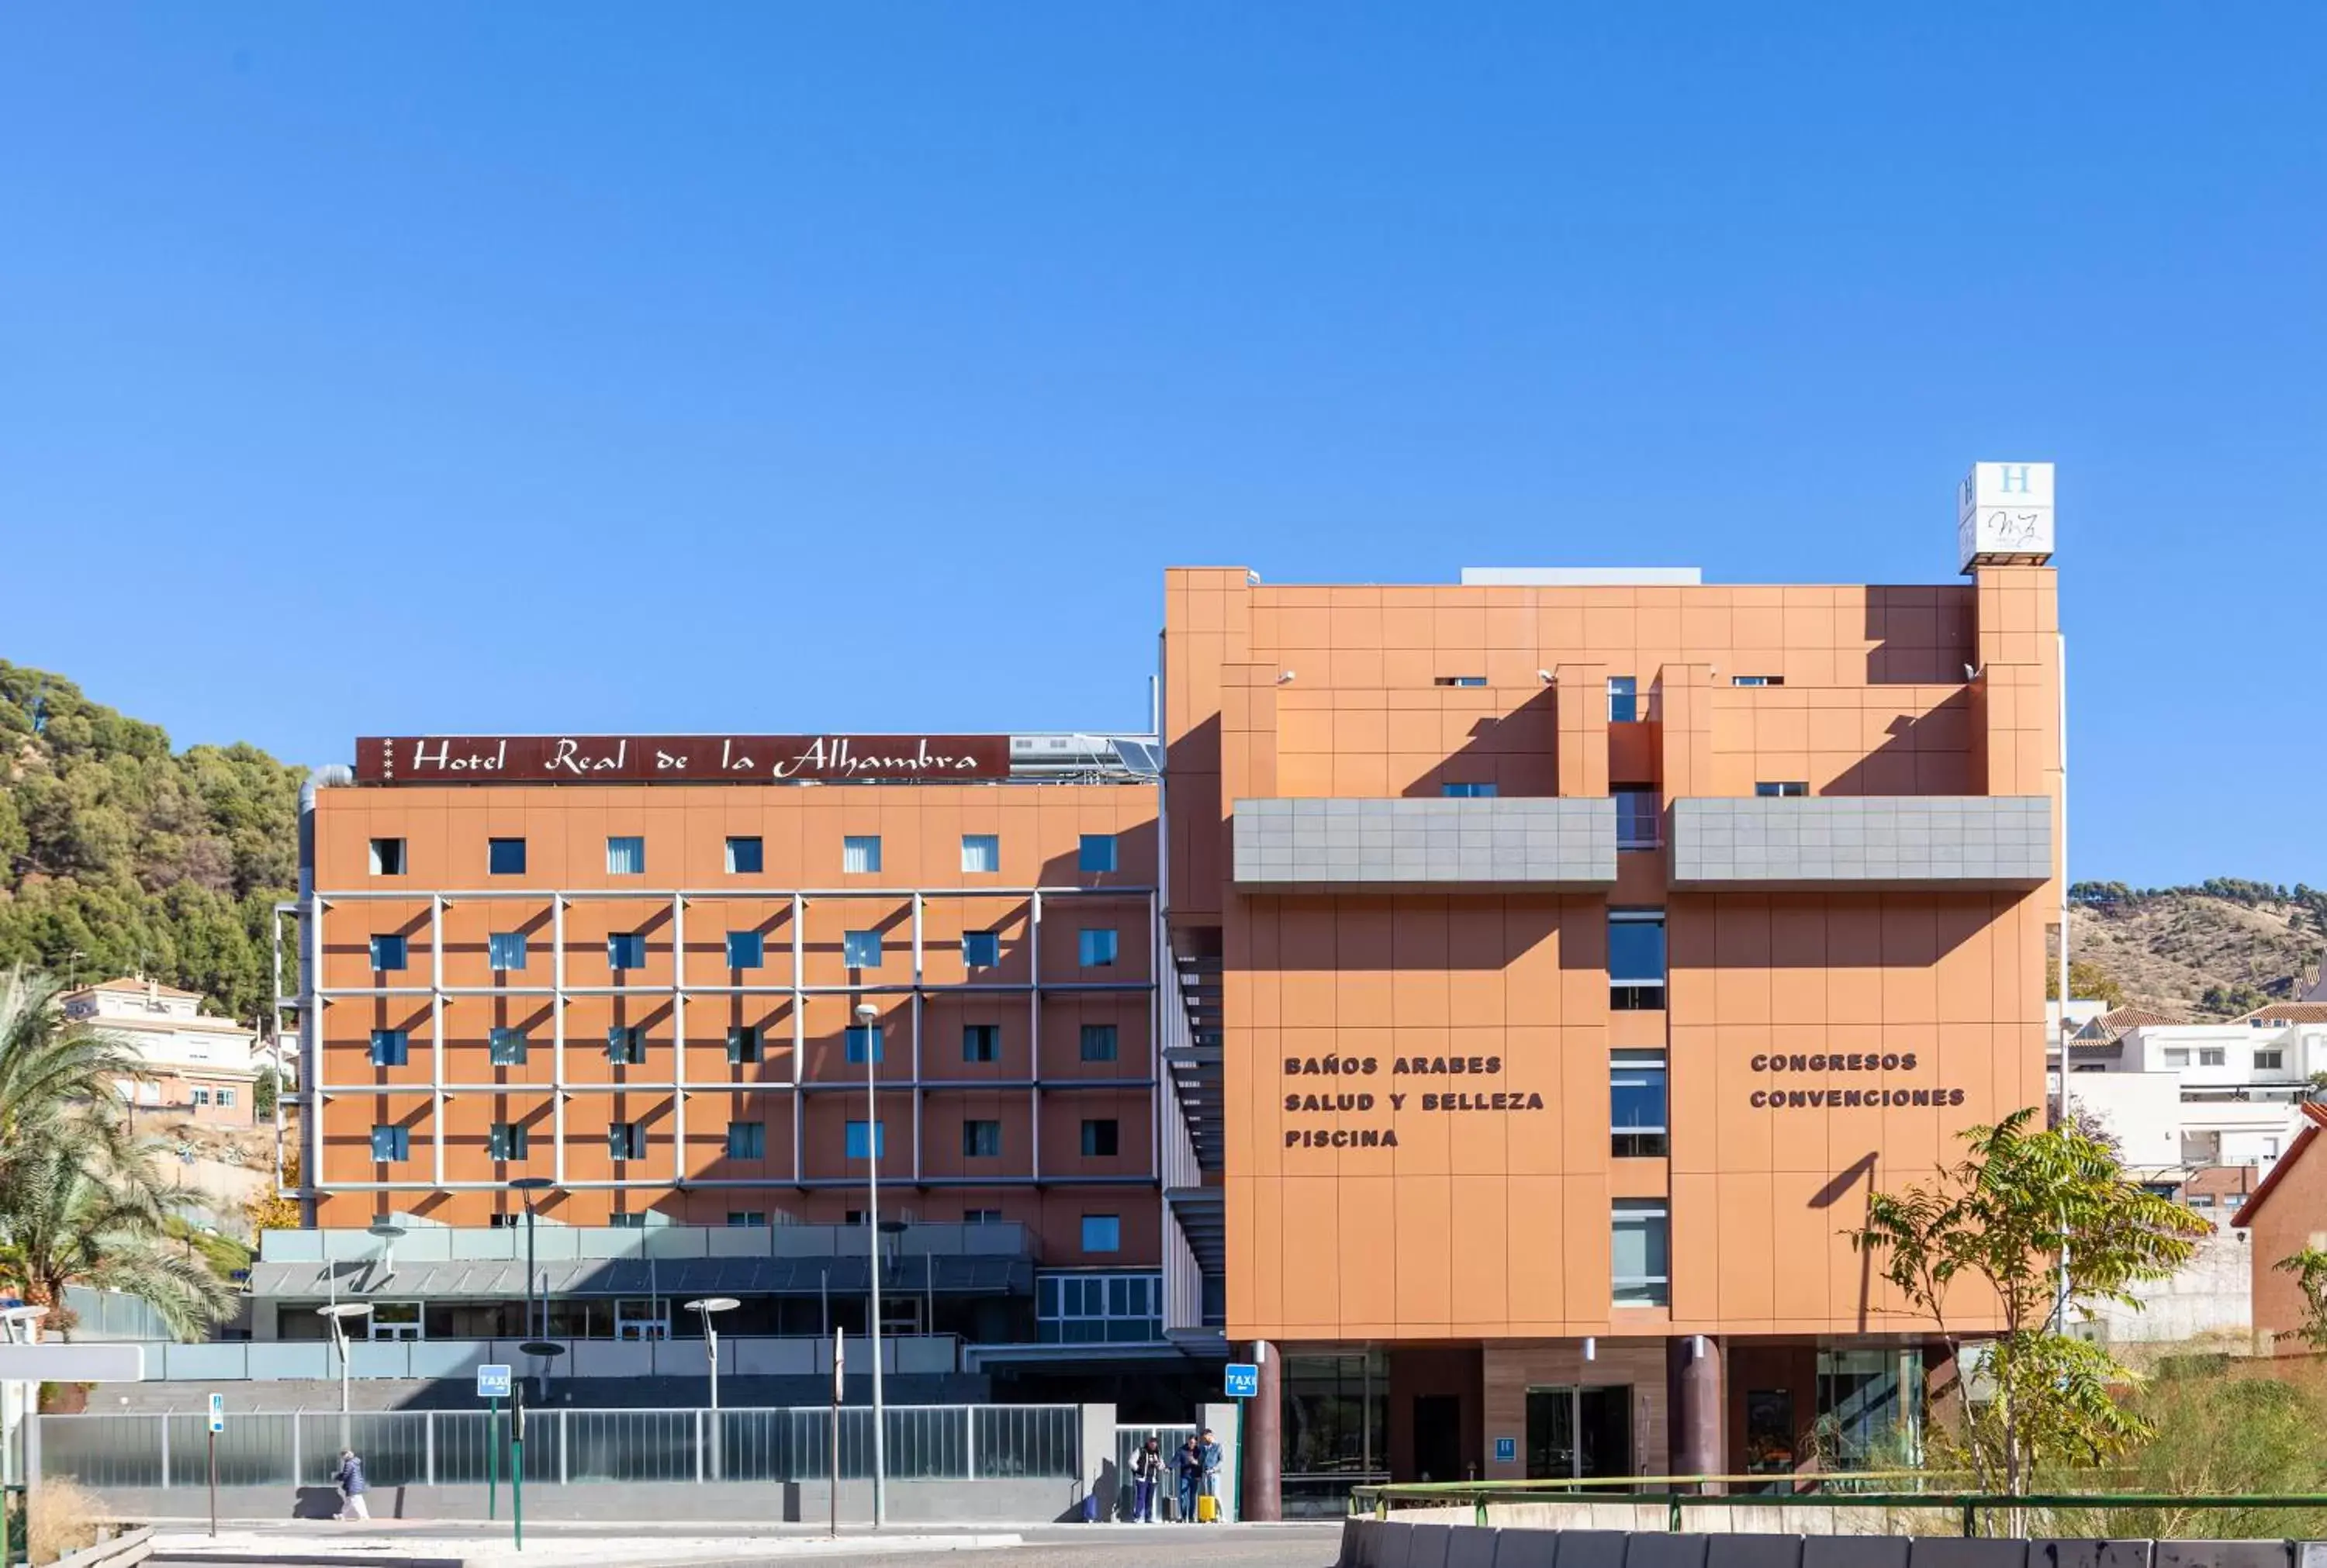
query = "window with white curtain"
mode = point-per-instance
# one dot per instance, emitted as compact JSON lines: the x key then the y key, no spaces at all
{"x":861,"y":949}
{"x":626,"y":857}
{"x":505,"y":950}
{"x":981,"y":851}
{"x":1642,"y":1269}
{"x":860,"y":854}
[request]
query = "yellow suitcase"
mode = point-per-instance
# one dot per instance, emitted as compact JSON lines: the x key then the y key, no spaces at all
{"x":1207,"y":1508}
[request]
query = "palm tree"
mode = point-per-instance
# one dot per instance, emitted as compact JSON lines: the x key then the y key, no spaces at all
{"x":79,"y":1199}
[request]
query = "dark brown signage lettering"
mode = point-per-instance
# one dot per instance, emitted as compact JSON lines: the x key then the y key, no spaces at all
{"x":676,"y":759}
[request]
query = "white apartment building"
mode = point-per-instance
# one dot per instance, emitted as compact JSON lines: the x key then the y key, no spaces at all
{"x":2193,"y":1095}
{"x":198,"y":1066}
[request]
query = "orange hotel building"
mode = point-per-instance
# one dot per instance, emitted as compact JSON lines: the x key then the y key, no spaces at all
{"x":1486,"y":1006}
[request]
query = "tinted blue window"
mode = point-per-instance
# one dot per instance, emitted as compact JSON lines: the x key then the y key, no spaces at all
{"x":744,"y":1044}
{"x":1098,"y":851}
{"x":387,"y":952}
{"x":626,"y":857}
{"x":743,"y":857}
{"x":1466,"y":791}
{"x":391,"y":1143}
{"x":627,"y":950}
{"x":1102,"y":1233}
{"x":1098,"y":1042}
{"x":981,"y":949}
{"x":509,"y":1047}
{"x":505,"y":950}
{"x":857,"y":1140}
{"x":746,"y":949}
{"x":747,"y":1140}
{"x":505,"y":856}
{"x":389,"y":1047}
{"x":1098,"y":948}
{"x":626,"y":1044}
{"x":860,"y":1037}
{"x":1623,"y":699}
{"x":981,"y":1042}
{"x":861,"y":949}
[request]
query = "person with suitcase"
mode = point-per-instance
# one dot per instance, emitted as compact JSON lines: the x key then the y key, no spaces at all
{"x":1189,"y":1464}
{"x":1207,"y":1504}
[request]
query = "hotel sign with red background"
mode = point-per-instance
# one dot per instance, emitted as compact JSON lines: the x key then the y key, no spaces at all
{"x":677,"y":758}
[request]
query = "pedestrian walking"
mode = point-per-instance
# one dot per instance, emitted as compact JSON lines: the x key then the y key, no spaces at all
{"x":1190,"y":1478}
{"x":1146,"y":1474}
{"x":352,"y":1487}
{"x":1209,"y":1450}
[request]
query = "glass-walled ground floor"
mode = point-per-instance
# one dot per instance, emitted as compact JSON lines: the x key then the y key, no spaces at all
{"x":1600,"y":1409}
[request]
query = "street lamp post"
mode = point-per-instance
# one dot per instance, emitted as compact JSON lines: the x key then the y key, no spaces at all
{"x":339,"y":1314}
{"x":707,"y":1306}
{"x":526,"y":1186}
{"x":869,"y":1015}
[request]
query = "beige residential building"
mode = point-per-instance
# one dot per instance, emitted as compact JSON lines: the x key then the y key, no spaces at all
{"x":200,"y":1066}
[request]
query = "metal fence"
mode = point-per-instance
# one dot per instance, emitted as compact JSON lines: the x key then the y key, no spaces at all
{"x":450,"y":1447}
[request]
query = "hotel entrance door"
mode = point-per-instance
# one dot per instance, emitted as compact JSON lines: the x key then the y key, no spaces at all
{"x":1578,"y":1432}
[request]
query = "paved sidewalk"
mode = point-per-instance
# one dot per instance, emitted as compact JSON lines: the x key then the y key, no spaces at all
{"x":609,"y":1546}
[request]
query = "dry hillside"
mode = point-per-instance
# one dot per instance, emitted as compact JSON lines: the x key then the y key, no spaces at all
{"x":2201,"y":955}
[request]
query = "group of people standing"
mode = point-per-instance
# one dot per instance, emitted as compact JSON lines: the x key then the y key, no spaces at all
{"x":1193,"y":1468}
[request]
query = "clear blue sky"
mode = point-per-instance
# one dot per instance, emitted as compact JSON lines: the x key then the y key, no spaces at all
{"x":776,"y":367}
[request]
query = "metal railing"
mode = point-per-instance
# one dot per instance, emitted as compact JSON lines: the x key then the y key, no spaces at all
{"x":1967,"y":1509}
{"x":449,"y":1447}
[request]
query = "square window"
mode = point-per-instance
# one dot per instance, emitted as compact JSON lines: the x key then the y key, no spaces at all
{"x":508,"y":1048}
{"x":860,"y":854}
{"x":1638,"y":811}
{"x":1102,"y":1137}
{"x":861,"y":949}
{"x":505,"y":856}
{"x":226,"y":1098}
{"x":388,"y":857}
{"x":506,"y":1141}
{"x":981,"y":1042}
{"x":1473,"y":791}
{"x":626,"y":857}
{"x":981,"y":949}
{"x":1102,"y":1233}
{"x":1781,"y":789}
{"x":747,"y":1218}
{"x":1636,"y":1109}
{"x":1636,"y":960}
{"x":1097,"y":853}
{"x":744,"y":1044}
{"x":1097,"y":947}
{"x":391,"y":1143}
{"x":746,"y":949}
{"x":389,"y":1047}
{"x":626,"y":950}
{"x":981,"y":851}
{"x":747,"y":1140}
{"x":626,"y":1045}
{"x":745,"y":857}
{"x":981,"y":1140}
{"x":860,"y":1039}
{"x":1640,"y":1267}
{"x":1098,"y":1042}
{"x":388,"y":952}
{"x":626,"y":1141}
{"x":859,"y":1141}
{"x":505,"y":951}
{"x":1623,"y":699}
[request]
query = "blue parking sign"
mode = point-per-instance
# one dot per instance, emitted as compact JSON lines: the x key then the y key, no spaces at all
{"x":1244,"y":1380}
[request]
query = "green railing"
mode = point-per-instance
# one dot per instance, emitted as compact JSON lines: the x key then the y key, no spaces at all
{"x":1832,"y":1491}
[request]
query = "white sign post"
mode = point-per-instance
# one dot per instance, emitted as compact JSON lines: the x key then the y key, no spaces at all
{"x":217,"y":1425}
{"x":840,"y":1360}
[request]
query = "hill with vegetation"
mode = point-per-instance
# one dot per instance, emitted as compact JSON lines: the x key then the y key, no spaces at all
{"x":119,"y":855}
{"x":2222,"y":947}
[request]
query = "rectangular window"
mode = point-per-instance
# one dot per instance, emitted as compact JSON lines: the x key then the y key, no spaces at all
{"x":626,"y":950}
{"x":860,"y":1140}
{"x":1102,"y":1137}
{"x":747,"y":1140}
{"x":1757,"y":680}
{"x":389,"y":1047}
{"x":511,"y":1221}
{"x":744,"y":1044}
{"x":508,"y":1048}
{"x":746,"y":949}
{"x":1640,"y":1271}
{"x":615,"y":1221}
{"x":505,"y":951}
{"x":1638,"y":808}
{"x":2270,"y":1060}
{"x":1097,"y":853}
{"x":388,"y":857}
{"x":226,"y":1098}
{"x":626,"y":1045}
{"x":747,"y":1218}
{"x":626,"y":857}
{"x":1472,"y":791}
{"x":1459,"y":680}
{"x":1098,"y":1042}
{"x":981,"y":851}
{"x":860,"y":854}
{"x":391,"y":1143}
{"x":1102,"y":1233}
{"x":626,"y":1141}
{"x":1623,"y":699}
{"x":1636,"y":960}
{"x":981,"y":1140}
{"x":505,"y":856}
{"x":1636,"y":1104}
{"x":981,"y":1042}
{"x":1097,"y":948}
{"x":202,"y":1096}
{"x":981,"y":949}
{"x":861,"y":949}
{"x":981,"y":1216}
{"x":745,"y":857}
{"x":864,"y":1039}
{"x":505,"y":1142}
{"x":387,"y":952}
{"x":2213,"y":1056}
{"x":2177,"y":1055}
{"x":1781,"y":789}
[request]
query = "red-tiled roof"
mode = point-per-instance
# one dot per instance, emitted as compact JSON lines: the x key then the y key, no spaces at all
{"x":2317,"y":1115}
{"x":2290,"y":1012}
{"x":2117,"y":1019}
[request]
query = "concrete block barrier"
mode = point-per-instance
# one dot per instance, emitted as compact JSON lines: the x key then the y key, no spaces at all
{"x":1426,"y":1548}
{"x":1473,"y":1547}
{"x":1958,"y":1551}
{"x":1853,"y":1552}
{"x":1391,"y":1543}
{"x":1730,"y":1550}
{"x":1665,"y":1552}
{"x":1592,"y":1548}
{"x":2088,"y":1554}
{"x":1527,"y":1548}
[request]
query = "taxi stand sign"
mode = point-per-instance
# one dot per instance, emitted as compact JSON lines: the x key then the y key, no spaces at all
{"x":492,"y":1382}
{"x":1243,"y":1380}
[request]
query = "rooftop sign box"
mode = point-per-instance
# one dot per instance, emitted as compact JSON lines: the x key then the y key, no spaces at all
{"x":2004,"y":515}
{"x":679,"y":758}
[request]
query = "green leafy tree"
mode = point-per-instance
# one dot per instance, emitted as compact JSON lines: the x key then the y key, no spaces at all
{"x":2309,"y":1268}
{"x":264,"y":1094}
{"x":2000,"y":1219}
